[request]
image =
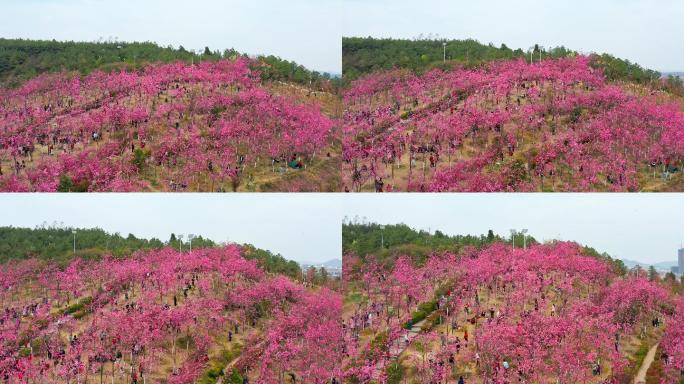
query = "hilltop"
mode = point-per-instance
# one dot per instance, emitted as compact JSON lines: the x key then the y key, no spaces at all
{"x":24,"y":59}
{"x":55,"y":244}
{"x":362,"y":55}
{"x":386,"y":243}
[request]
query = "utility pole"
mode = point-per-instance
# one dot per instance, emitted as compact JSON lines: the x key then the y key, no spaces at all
{"x":190,"y":237}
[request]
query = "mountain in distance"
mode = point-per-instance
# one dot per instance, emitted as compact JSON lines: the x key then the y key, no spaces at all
{"x":664,"y":266}
{"x":332,"y":263}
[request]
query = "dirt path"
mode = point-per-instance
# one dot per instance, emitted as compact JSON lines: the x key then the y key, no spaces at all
{"x":399,"y":346}
{"x":641,"y":375}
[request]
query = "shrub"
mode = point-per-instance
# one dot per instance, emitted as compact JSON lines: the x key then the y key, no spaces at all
{"x":66,"y":184}
{"x":395,"y":373}
{"x":78,"y":306}
{"x":140,"y":156}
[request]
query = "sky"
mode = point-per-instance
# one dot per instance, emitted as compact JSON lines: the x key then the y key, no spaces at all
{"x":306,"y":31}
{"x":306,"y":227}
{"x":640,"y":227}
{"x":649,"y":32}
{"x":290,"y":224}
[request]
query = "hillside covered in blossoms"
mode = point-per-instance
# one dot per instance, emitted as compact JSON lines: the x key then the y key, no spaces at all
{"x":495,"y":313}
{"x":564,"y":123}
{"x":166,"y":316}
{"x":215,"y":125}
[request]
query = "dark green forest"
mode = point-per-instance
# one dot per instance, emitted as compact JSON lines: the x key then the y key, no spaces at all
{"x":387,"y":242}
{"x":55,"y":243}
{"x":22,"y":59}
{"x":271,"y":262}
{"x":361,"y":55}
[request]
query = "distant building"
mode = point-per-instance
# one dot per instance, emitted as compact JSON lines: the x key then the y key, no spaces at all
{"x":333,"y":271}
{"x":680,"y":270}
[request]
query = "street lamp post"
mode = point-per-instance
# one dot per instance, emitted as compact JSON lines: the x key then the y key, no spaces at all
{"x":382,"y":237}
{"x":513,"y":237}
{"x":180,"y":243}
{"x":74,"y":233}
{"x":524,"y":232}
{"x":190,"y":237}
{"x":444,"y":46}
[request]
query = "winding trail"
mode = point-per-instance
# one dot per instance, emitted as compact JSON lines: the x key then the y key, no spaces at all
{"x":398,"y":347}
{"x":648,"y":360}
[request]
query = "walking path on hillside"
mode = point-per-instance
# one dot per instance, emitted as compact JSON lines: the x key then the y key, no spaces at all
{"x":648,"y":360}
{"x":399,"y":346}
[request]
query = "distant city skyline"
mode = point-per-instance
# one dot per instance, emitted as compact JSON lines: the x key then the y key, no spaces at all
{"x":305,"y":31}
{"x":646,"y":32}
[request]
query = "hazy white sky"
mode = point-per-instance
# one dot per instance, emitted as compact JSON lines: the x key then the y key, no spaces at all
{"x":306,"y":227}
{"x":650,"y":32}
{"x":306,"y":31}
{"x":641,"y":227}
{"x":300,"y":226}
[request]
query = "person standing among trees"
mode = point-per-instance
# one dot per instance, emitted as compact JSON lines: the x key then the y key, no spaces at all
{"x":597,"y":368}
{"x":379,"y":184}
